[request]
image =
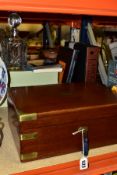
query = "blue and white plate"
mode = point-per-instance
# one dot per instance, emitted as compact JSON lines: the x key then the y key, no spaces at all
{"x":3,"y":81}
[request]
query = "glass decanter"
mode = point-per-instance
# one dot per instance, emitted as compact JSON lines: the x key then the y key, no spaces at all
{"x":14,"y":49}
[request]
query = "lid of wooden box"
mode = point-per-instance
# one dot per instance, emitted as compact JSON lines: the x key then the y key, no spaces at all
{"x":46,"y":98}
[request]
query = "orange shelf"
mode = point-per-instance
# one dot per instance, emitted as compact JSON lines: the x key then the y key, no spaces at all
{"x":97,"y":165}
{"x":88,"y":7}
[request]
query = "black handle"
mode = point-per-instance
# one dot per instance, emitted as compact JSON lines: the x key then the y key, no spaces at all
{"x":86,"y":146}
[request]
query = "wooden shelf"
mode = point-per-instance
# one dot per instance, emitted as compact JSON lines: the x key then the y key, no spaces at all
{"x":90,"y":7}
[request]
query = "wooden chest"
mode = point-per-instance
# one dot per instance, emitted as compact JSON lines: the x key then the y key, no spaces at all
{"x":43,"y":118}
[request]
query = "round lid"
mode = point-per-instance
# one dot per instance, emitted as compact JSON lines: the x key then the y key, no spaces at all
{"x":3,"y":81}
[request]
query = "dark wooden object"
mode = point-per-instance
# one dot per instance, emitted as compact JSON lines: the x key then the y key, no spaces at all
{"x":43,"y":118}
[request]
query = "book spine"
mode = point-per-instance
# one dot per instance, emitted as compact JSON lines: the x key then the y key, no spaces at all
{"x":72,"y":66}
{"x":91,"y":64}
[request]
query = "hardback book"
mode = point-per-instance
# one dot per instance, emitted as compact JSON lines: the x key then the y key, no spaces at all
{"x":67,"y":58}
{"x":101,"y":66}
{"x":87,"y":62}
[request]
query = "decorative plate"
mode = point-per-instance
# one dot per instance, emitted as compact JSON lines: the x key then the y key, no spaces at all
{"x":3,"y":81}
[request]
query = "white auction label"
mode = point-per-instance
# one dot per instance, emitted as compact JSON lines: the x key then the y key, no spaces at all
{"x":83,"y":163}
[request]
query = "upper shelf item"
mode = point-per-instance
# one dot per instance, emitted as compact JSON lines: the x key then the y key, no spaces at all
{"x":13,"y":47}
{"x":3,"y":81}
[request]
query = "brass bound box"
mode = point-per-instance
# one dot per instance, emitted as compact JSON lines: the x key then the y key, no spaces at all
{"x":43,"y":118}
